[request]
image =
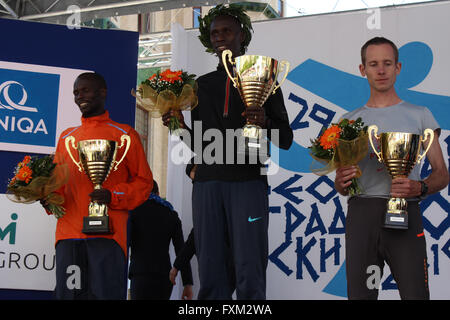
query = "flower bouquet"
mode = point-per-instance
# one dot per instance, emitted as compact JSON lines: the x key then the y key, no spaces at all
{"x":176,"y":90}
{"x":342,"y":144}
{"x":36,"y":179}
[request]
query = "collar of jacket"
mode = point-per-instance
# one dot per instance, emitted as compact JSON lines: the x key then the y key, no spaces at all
{"x":100,"y":118}
{"x":160,"y":200}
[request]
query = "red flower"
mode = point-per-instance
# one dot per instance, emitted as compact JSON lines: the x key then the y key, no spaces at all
{"x":170,"y":76}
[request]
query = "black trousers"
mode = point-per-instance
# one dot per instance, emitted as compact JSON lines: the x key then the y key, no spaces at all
{"x":90,"y":269}
{"x":369,"y":244}
{"x":152,"y":286}
{"x":231,"y":226}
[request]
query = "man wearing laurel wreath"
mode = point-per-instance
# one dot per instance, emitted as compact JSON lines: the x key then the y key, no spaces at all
{"x":94,"y":266}
{"x":230,"y":201}
{"x":368,"y":244}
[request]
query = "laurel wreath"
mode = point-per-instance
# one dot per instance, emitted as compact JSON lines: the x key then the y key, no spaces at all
{"x":234,"y":10}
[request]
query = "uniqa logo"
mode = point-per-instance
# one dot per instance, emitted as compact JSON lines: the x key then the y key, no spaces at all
{"x":11,"y":105}
{"x":11,"y":123}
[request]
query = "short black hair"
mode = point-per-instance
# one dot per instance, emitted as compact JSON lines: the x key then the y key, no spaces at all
{"x":378,"y":41}
{"x":98,"y":78}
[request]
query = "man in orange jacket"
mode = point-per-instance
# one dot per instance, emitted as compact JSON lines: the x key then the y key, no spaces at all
{"x":94,"y":266}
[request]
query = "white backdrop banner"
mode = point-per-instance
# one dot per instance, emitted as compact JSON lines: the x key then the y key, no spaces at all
{"x":27,"y":252}
{"x":307,"y":216}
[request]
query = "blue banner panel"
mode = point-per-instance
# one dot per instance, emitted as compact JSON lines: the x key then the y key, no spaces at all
{"x":112,"y":53}
{"x":29,"y":101}
{"x":38,"y":65}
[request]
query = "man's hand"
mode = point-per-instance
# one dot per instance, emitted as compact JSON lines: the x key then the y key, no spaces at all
{"x":172,"y":275}
{"x":44,"y":203}
{"x":255,"y":115}
{"x":405,"y":188}
{"x":187,"y":292}
{"x":173,"y":113}
{"x":192,"y":173}
{"x":343,"y":180}
{"x":101,"y":196}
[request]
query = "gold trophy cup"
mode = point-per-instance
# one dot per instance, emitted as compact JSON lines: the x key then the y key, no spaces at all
{"x":97,"y":158}
{"x":399,"y":151}
{"x":255,"y":78}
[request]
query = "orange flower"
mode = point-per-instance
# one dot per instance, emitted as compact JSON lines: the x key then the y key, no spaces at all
{"x":26,"y":160}
{"x":13,"y":180}
{"x":329,"y":138}
{"x":170,"y":76}
{"x":24,"y":174}
{"x":152,"y":77}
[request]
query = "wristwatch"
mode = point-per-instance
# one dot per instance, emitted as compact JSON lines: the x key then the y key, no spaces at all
{"x":424,"y":188}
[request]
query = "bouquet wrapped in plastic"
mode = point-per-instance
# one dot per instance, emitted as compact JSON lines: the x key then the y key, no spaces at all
{"x":168,"y":90}
{"x":36,"y":178}
{"x":342,"y":144}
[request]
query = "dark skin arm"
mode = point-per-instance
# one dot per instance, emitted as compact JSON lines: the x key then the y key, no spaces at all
{"x":174,"y":113}
{"x":44,"y":203}
{"x":101,"y":196}
{"x":253,"y":115}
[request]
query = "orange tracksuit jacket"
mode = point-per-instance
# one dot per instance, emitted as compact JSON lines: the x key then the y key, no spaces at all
{"x":130,"y":185}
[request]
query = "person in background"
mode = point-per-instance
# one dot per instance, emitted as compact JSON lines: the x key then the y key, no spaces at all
{"x":153,"y":225}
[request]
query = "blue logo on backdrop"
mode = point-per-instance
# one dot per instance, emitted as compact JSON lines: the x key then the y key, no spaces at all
{"x":28,"y":107}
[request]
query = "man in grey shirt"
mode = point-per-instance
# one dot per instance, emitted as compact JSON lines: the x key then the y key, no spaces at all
{"x":367,"y":242}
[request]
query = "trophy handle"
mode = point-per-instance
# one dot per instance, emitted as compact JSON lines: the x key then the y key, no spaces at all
{"x":286,"y":65}
{"x":71,"y":139}
{"x":428,"y":135}
{"x":369,"y":133}
{"x":225,"y":54}
{"x":122,"y":140}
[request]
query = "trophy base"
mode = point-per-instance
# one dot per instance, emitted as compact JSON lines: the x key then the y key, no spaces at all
{"x":396,"y":220}
{"x":257,"y":149}
{"x":396,"y":214}
{"x":96,"y":225}
{"x":253,"y":144}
